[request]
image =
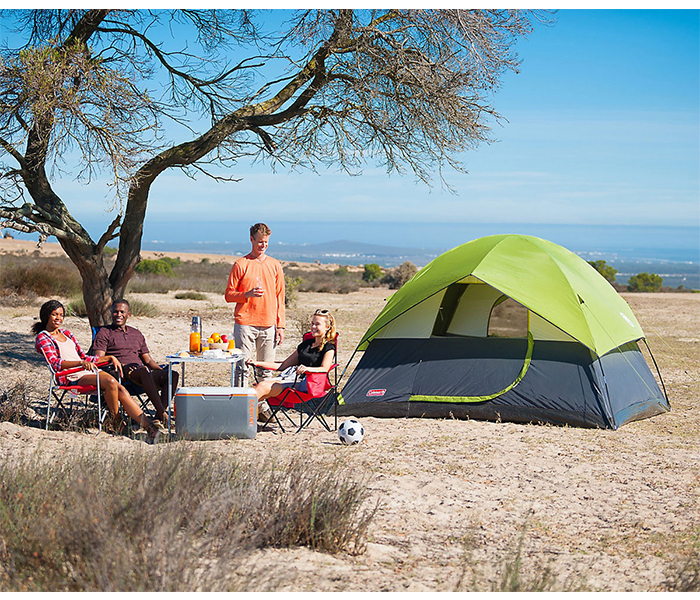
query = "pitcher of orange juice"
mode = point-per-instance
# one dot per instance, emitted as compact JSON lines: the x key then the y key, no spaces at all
{"x":196,"y":335}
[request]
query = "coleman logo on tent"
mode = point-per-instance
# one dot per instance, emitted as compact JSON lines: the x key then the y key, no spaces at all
{"x":371,"y":393}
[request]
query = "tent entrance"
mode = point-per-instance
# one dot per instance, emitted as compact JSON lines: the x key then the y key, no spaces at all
{"x":484,"y":369}
{"x":482,"y":315}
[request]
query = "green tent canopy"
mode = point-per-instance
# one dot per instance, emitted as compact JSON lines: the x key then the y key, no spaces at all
{"x":429,"y":352}
{"x":549,"y":280}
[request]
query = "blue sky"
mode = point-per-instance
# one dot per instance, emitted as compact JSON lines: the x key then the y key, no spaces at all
{"x":602,"y":128}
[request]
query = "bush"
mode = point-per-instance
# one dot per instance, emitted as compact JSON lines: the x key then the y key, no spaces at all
{"x":15,"y":403}
{"x":340,"y":281}
{"x":396,"y":277}
{"x":291,"y":294}
{"x":645,"y":282}
{"x":372,"y":272}
{"x":138,"y":308}
{"x":173,"y":262}
{"x":685,"y":577}
{"x":172,"y":519}
{"x":14,"y":300}
{"x":159,"y":266}
{"x":604,"y":269}
{"x":190,"y":296}
{"x":33,"y":278}
{"x":206,"y":277}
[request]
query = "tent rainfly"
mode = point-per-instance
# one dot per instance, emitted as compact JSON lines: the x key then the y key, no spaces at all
{"x":432,"y":352}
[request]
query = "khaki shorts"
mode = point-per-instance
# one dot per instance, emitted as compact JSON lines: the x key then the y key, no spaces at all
{"x":257,"y":343}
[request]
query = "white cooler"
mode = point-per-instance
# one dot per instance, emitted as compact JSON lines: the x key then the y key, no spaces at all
{"x":214,"y":413}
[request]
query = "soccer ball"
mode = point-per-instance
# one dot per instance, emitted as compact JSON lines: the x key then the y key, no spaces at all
{"x":351,"y":432}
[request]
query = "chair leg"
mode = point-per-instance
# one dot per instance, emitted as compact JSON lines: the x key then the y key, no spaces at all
{"x":316,"y":413}
{"x":51,"y":415}
{"x":275,"y":415}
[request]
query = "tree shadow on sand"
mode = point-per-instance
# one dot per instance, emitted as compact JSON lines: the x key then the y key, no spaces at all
{"x":18,"y":348}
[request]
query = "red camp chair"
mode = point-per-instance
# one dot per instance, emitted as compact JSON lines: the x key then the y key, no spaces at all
{"x":310,"y":405}
{"x":58,"y":392}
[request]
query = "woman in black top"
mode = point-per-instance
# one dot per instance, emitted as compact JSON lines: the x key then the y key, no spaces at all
{"x":313,"y":355}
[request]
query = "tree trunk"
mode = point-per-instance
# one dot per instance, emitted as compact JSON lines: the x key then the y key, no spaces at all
{"x":130,"y":235}
{"x":97,"y":291}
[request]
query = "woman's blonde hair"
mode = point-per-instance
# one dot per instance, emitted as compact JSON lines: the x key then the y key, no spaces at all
{"x":331,"y":334}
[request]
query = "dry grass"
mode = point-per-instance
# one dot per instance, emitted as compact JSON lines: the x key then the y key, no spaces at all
{"x":23,"y":276}
{"x":176,"y":519}
{"x":15,"y":404}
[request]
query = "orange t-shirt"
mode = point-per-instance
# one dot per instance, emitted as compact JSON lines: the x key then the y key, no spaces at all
{"x":268,"y":309}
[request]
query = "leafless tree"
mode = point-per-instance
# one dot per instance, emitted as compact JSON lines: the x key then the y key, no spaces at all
{"x":90,"y":92}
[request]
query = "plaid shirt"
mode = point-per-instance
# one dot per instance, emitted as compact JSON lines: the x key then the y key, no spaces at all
{"x":47,"y":346}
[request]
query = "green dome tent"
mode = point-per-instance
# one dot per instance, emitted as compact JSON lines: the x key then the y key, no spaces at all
{"x":432,"y":351}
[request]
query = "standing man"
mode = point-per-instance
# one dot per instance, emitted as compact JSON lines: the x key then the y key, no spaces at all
{"x":129,"y":346}
{"x":256,"y":285}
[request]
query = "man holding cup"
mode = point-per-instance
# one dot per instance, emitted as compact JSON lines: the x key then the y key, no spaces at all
{"x":256,"y":285}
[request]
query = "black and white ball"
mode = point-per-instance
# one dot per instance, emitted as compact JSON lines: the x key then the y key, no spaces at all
{"x":351,"y":432}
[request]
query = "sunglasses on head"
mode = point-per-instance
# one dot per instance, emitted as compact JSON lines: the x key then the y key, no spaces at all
{"x":322,"y":311}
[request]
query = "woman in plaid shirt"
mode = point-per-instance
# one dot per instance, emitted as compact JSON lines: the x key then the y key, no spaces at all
{"x":62,"y":351}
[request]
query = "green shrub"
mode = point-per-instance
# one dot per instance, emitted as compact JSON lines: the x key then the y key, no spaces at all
{"x":173,"y":262}
{"x":291,"y":293}
{"x":604,"y":269}
{"x":159,"y":266}
{"x":341,"y":271}
{"x":645,"y":282}
{"x":372,"y":272}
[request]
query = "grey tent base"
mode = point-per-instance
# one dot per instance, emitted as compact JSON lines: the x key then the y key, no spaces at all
{"x":563,"y":383}
{"x":481,"y":412}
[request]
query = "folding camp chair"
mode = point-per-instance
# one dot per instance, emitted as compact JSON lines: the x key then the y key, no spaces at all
{"x":58,"y":392}
{"x":137,"y":393}
{"x":311,"y":405}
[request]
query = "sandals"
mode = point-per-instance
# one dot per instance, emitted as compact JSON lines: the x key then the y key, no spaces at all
{"x":115,"y":425}
{"x":152,"y":434}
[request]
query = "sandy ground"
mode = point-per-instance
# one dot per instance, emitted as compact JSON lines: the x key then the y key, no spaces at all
{"x":600,"y":510}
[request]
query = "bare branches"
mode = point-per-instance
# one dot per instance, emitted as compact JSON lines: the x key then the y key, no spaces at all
{"x":30,"y":219}
{"x":132,"y":93}
{"x":410,"y":88}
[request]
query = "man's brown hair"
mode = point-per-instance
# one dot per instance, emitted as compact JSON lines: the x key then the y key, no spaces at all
{"x":259,"y":228}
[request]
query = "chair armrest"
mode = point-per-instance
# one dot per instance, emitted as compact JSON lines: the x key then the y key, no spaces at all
{"x":320,"y":375}
{"x":65,"y":372}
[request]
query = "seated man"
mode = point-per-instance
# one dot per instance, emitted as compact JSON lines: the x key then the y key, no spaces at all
{"x":129,"y":346}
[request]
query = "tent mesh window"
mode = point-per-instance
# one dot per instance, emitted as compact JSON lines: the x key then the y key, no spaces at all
{"x":508,"y":319}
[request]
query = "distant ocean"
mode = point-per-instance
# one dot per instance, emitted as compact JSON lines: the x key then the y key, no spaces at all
{"x":672,"y":252}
